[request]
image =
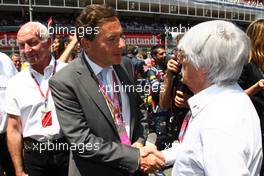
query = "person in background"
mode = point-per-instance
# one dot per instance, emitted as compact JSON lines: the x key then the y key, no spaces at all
{"x":252,"y":77}
{"x":136,"y":62}
{"x":154,"y":77}
{"x":7,"y":70}
{"x":55,"y":46}
{"x":154,"y":71}
{"x":175,"y":95}
{"x":65,"y":48}
{"x":16,"y":59}
{"x":34,"y":135}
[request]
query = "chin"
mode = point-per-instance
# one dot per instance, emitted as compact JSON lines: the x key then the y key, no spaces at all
{"x":32,"y":60}
{"x":117,"y":60}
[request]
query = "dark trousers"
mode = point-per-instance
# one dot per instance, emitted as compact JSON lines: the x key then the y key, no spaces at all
{"x":53,"y":162}
{"x":6,"y":164}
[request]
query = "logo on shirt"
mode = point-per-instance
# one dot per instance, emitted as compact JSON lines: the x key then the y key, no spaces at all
{"x":2,"y":88}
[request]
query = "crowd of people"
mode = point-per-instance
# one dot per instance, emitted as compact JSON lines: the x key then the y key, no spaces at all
{"x":80,"y":105}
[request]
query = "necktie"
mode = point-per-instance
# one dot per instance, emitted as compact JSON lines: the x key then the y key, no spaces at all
{"x":115,"y":104}
{"x":103,"y":75}
{"x":184,"y":126}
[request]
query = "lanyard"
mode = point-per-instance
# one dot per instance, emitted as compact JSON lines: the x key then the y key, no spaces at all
{"x":108,"y":99}
{"x":184,"y":125}
{"x":38,"y":85}
{"x":114,"y":103}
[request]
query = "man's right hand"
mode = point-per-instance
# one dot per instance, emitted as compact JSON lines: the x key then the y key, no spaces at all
{"x":151,"y":159}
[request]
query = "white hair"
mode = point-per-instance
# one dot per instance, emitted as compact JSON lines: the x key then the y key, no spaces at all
{"x":41,"y":30}
{"x":219,"y":47}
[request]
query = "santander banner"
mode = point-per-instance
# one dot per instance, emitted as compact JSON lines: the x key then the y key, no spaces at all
{"x":8,"y":40}
{"x":143,"y":39}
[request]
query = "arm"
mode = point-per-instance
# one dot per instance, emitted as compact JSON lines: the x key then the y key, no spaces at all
{"x":181,"y":99}
{"x":76,"y":129}
{"x":65,"y":55}
{"x":165,"y":93}
{"x":14,"y":142}
{"x":254,"y":89}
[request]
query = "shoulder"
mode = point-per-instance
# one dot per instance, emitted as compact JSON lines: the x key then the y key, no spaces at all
{"x":4,"y":57}
{"x":20,"y":77}
{"x":60,"y":65}
{"x":126,"y":63}
{"x":67,"y":71}
{"x":232,"y":108}
{"x":7,"y":68}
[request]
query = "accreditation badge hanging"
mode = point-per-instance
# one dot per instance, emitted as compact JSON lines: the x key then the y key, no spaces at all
{"x":46,"y":119}
{"x":46,"y":116}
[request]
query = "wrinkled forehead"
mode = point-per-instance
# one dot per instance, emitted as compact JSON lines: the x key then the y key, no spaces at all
{"x":26,"y":34}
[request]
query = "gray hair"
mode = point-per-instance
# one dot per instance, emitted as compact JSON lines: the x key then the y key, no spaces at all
{"x":41,"y":30}
{"x":219,"y":47}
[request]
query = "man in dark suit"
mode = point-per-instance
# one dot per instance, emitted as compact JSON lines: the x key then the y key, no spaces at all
{"x":98,"y":110}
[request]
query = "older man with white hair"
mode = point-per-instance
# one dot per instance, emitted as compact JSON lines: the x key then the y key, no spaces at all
{"x":33,"y":131}
{"x":221,"y":136}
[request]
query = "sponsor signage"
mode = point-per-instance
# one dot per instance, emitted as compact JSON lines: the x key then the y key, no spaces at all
{"x":8,"y":40}
{"x":143,"y":39}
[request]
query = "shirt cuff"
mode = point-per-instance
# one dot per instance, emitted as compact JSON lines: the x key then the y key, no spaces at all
{"x":170,"y":154}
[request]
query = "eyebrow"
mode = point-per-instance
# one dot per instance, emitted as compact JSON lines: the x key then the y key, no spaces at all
{"x":29,"y":41}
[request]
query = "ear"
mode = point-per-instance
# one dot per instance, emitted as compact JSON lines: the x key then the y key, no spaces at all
{"x":49,"y":42}
{"x":85,"y":43}
{"x":66,"y":44}
{"x":203,"y":73}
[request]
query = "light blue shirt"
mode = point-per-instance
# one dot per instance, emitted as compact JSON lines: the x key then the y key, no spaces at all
{"x":124,"y":97}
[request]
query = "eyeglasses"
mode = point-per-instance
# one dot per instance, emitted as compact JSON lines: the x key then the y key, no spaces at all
{"x":181,"y":56}
{"x":162,"y":53}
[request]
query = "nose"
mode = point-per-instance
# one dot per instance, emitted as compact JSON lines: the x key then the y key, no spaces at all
{"x":27,"y":48}
{"x":121,"y":43}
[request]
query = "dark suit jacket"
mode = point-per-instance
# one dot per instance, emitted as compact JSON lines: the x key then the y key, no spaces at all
{"x":86,"y":120}
{"x":252,"y":74}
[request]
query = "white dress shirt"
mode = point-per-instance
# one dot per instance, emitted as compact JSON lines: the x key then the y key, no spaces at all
{"x":25,"y":100}
{"x":124,"y":97}
{"x":7,"y":70}
{"x":223,"y":137}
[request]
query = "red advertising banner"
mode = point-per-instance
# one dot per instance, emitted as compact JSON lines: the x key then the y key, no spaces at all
{"x":8,"y":40}
{"x":143,"y":39}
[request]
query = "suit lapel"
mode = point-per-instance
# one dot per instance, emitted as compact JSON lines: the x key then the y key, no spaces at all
{"x":92,"y":89}
{"x":122,"y":75}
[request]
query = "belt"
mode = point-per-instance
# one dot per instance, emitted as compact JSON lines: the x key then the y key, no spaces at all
{"x":50,"y":146}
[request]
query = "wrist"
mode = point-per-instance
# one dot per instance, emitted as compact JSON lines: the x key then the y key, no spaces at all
{"x":168,"y":75}
{"x":20,"y":173}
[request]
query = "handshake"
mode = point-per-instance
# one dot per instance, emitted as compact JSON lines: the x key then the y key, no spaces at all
{"x":151,"y":159}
